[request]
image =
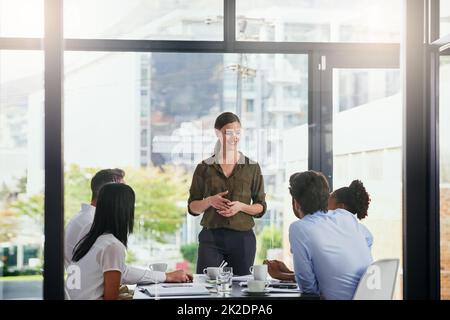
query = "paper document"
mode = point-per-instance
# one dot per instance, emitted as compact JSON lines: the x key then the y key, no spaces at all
{"x":243,"y":278}
{"x":280,"y":290}
{"x":175,"y":289}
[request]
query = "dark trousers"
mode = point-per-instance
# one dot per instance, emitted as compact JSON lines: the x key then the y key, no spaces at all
{"x":237,"y":248}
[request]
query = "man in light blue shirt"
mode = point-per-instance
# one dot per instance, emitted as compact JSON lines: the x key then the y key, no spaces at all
{"x":331,"y":249}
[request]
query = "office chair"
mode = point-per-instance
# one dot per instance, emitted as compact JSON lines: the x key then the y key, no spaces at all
{"x":378,"y":282}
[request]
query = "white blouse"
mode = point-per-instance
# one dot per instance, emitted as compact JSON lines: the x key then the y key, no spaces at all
{"x":107,"y":254}
{"x":80,"y":225}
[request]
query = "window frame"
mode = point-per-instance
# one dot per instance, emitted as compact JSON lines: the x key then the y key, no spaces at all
{"x":420,"y":244}
{"x":438,"y":46}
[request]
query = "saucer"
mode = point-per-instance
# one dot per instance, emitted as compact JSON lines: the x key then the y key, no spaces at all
{"x":251,"y":293}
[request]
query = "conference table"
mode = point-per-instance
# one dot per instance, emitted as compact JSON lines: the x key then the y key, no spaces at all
{"x":238,"y":292}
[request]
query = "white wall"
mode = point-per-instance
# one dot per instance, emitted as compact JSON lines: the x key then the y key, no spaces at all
{"x":102,"y":102}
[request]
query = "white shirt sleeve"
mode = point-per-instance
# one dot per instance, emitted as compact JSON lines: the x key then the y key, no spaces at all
{"x":139,"y":275}
{"x":113,"y":258}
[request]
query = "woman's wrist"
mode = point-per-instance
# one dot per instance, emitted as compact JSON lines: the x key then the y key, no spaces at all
{"x":198,"y":207}
{"x":246,"y":208}
{"x":208,"y":201}
{"x":252,"y":209}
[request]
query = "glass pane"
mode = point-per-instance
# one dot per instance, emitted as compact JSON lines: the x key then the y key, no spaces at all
{"x":153,"y":115}
{"x":319,"y":20}
{"x":367,"y":145}
{"x":444,"y":9}
{"x":444,"y":153}
{"x":21,"y":174}
{"x":22,"y":18}
{"x":144,"y":19}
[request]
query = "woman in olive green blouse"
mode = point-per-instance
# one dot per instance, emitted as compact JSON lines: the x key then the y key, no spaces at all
{"x":228,"y":189}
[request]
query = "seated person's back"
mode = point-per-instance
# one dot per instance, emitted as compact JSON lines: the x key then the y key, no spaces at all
{"x":76,"y":229}
{"x":330,"y":249}
{"x":106,"y":254}
{"x":99,"y":257}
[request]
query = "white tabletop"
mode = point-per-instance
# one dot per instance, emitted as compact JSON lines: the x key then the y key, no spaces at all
{"x":237,"y":292}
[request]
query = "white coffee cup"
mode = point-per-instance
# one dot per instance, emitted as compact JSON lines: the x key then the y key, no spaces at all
{"x":211,"y":272}
{"x":259,"y":272}
{"x":256,"y":285}
{"x":162,"y":267}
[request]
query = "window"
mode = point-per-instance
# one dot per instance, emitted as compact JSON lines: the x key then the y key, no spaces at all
{"x":444,"y":142}
{"x":21,"y":174}
{"x":144,"y":19}
{"x":187,"y":92}
{"x":250,"y":105}
{"x":22,"y":18}
{"x":367,"y":145}
{"x":319,"y":20}
{"x":144,"y":141}
{"x":152,"y":114}
{"x":444,"y":9}
{"x":353,"y":89}
{"x":358,"y":87}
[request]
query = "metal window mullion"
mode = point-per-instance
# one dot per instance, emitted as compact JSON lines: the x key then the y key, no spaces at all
{"x":434,"y":20}
{"x":419,"y":262}
{"x":432,"y":105}
{"x":307,"y":47}
{"x":387,"y":49}
{"x":314,"y":114}
{"x":54,"y":170}
{"x":21,"y":43}
{"x":229,"y":24}
{"x":326,"y":122}
{"x":115,"y":45}
{"x":120,"y":45}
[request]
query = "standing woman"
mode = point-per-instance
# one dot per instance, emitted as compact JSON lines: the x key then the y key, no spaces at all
{"x":228,"y":189}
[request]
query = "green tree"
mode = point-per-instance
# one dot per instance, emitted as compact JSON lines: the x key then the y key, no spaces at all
{"x":9,"y":220}
{"x":131,"y":257}
{"x":77,"y":188}
{"x":5,"y":192}
{"x":269,"y":238}
{"x":161,"y":194}
{"x":31,"y":206}
{"x":189,"y":252}
{"x":22,"y":184}
{"x":9,"y":225}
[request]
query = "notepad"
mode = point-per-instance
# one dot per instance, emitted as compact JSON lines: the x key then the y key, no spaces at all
{"x":243,"y":278}
{"x":176,"y":289}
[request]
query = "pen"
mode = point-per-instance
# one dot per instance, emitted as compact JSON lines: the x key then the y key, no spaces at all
{"x":145,"y":291}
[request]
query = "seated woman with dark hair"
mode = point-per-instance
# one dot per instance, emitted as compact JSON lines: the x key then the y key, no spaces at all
{"x":354,"y":199}
{"x":100,"y":255}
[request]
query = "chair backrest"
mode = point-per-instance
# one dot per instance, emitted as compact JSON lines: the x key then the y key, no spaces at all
{"x":66,"y":293}
{"x":378,"y":282}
